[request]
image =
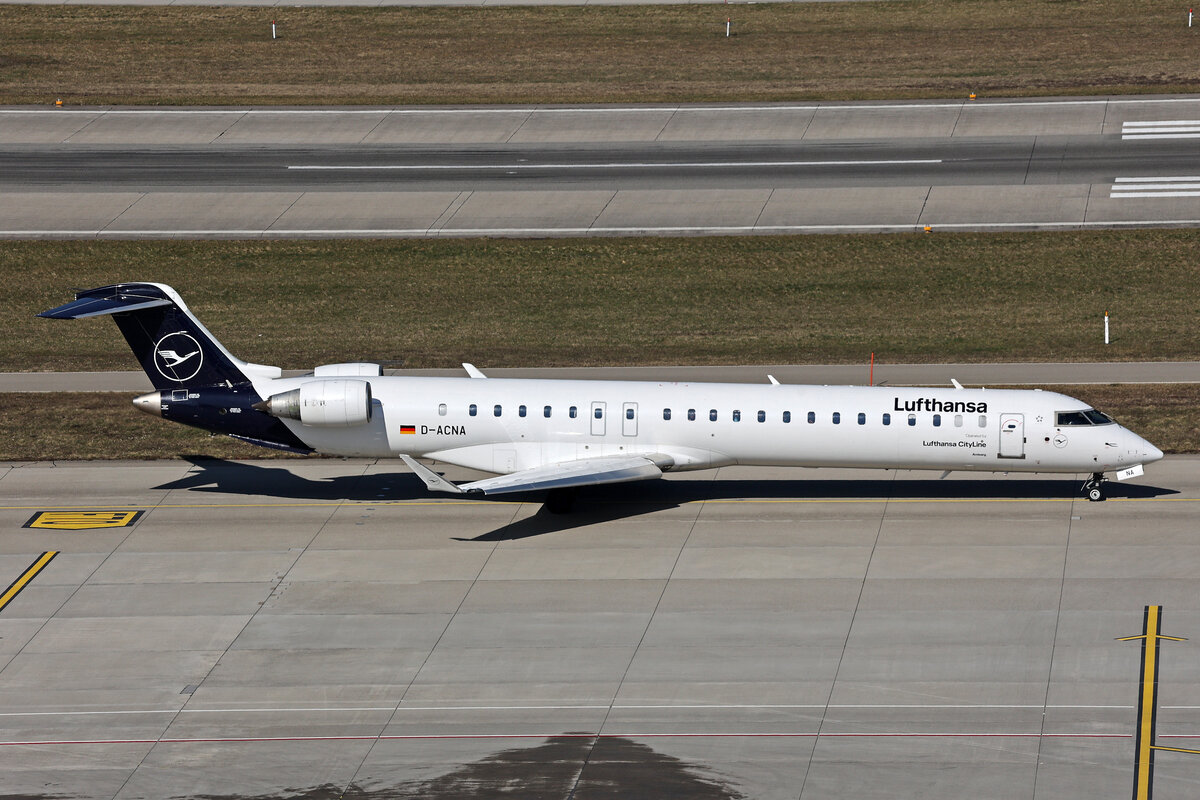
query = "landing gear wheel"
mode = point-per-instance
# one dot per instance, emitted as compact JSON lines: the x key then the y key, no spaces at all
{"x":1095,"y":487}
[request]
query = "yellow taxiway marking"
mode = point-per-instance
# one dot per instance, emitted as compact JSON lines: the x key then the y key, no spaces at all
{"x":82,"y":520}
{"x":20,"y":583}
{"x":1143,"y":767}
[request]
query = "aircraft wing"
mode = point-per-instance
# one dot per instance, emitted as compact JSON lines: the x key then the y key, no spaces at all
{"x":564,"y":475}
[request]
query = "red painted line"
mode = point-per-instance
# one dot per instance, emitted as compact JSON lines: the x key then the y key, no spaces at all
{"x":451,"y":736}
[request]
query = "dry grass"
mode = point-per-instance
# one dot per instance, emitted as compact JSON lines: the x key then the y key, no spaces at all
{"x":203,"y":55}
{"x":80,"y":425}
{"x":738,"y":300}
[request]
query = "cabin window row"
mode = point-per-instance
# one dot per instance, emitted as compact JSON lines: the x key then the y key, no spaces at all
{"x":959,"y":420}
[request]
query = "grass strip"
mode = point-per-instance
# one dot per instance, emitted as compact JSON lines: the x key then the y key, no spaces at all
{"x":920,"y":298}
{"x":86,"y":426}
{"x":779,"y":52}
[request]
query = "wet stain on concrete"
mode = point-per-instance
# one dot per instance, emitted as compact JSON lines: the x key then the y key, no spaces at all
{"x":568,"y":767}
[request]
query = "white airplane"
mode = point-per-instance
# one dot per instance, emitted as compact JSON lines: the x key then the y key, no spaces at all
{"x":557,"y":435}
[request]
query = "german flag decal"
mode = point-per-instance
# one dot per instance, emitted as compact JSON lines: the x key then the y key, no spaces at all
{"x":408,"y":428}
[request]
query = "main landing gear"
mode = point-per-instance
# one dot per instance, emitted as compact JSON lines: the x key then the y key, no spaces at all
{"x":1094,"y":487}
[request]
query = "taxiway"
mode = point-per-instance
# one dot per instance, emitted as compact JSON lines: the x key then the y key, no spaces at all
{"x":269,"y":629}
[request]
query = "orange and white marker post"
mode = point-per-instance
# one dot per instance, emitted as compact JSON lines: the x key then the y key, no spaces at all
{"x":272,"y":29}
{"x":1106,"y":327}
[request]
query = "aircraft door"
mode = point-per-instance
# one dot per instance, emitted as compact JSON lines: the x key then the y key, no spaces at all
{"x":1012,"y":436}
{"x":598,"y":410}
{"x":629,"y":419}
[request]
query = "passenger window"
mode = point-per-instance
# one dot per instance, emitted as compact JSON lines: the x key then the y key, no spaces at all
{"x":787,"y":416}
{"x":862,"y":418}
{"x":812,"y":417}
{"x":442,"y":410}
{"x":912,"y":420}
{"x":837,"y":418}
{"x":629,"y":413}
{"x":712,"y":415}
{"x":691,"y":415}
{"x":520,"y":411}
{"x":473,"y":409}
{"x":762,"y":416}
{"x":598,"y":413}
{"x":666,"y":413}
{"x":937,"y":420}
{"x":546,"y":412}
{"x":737,"y":416}
{"x":573,"y":412}
{"x":496,"y":411}
{"x":983,"y":420}
{"x":958,"y":420}
{"x":887,"y":418}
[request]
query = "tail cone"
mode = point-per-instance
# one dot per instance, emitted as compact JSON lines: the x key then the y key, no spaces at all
{"x":150,"y":403}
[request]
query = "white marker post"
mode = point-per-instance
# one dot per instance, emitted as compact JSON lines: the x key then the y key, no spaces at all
{"x":1106,"y":327}
{"x":272,"y":29}
{"x":727,"y":21}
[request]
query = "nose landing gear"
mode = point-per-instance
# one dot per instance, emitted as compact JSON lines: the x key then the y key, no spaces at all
{"x":1094,"y":487}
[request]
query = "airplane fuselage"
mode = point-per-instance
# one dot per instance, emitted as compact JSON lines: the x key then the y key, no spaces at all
{"x":507,"y":425}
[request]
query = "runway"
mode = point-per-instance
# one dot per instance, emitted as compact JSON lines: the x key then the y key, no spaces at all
{"x":599,"y":170}
{"x":324,"y":626}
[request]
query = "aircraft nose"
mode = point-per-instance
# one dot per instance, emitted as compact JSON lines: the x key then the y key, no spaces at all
{"x":1152,"y":452}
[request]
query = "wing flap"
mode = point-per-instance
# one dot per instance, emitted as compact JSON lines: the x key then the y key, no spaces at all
{"x":564,"y":475}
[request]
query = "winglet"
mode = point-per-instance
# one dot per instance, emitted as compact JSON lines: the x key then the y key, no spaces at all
{"x":957,"y":385}
{"x":771,"y":378}
{"x":432,"y":480}
{"x":473,"y":370}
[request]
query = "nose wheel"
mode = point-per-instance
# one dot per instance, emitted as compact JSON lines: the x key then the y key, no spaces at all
{"x":1093,"y":487}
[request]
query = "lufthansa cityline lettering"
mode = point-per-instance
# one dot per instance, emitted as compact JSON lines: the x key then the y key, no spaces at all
{"x":942,"y":406}
{"x":938,"y":443}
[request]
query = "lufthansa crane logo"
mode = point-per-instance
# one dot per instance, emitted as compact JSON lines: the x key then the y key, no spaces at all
{"x":178,"y":356}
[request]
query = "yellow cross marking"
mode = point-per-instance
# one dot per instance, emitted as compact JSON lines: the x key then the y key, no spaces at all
{"x":1143,"y":768}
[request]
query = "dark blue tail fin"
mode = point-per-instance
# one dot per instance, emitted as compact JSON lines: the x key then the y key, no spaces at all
{"x":174,"y":349}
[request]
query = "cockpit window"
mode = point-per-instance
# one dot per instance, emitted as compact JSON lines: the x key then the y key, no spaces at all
{"x":1089,"y":417}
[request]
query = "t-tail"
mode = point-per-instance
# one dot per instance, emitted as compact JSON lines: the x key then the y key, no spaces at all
{"x":198,"y":381}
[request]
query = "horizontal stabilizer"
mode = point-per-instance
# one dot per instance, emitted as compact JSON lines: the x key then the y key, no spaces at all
{"x":565,"y":475}
{"x":116,"y":301}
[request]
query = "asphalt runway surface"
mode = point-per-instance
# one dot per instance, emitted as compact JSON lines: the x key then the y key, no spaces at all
{"x":599,"y":170}
{"x":304,"y":629}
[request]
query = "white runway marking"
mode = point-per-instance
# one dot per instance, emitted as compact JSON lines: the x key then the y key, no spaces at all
{"x":1162,"y":129}
{"x":1185,"y":186}
{"x":578,"y":707}
{"x":594,"y":735}
{"x":617,"y":165}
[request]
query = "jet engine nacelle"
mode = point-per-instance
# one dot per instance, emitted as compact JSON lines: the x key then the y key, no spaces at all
{"x":326,"y":404}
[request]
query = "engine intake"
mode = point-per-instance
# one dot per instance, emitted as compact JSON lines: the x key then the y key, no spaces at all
{"x":326,"y":404}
